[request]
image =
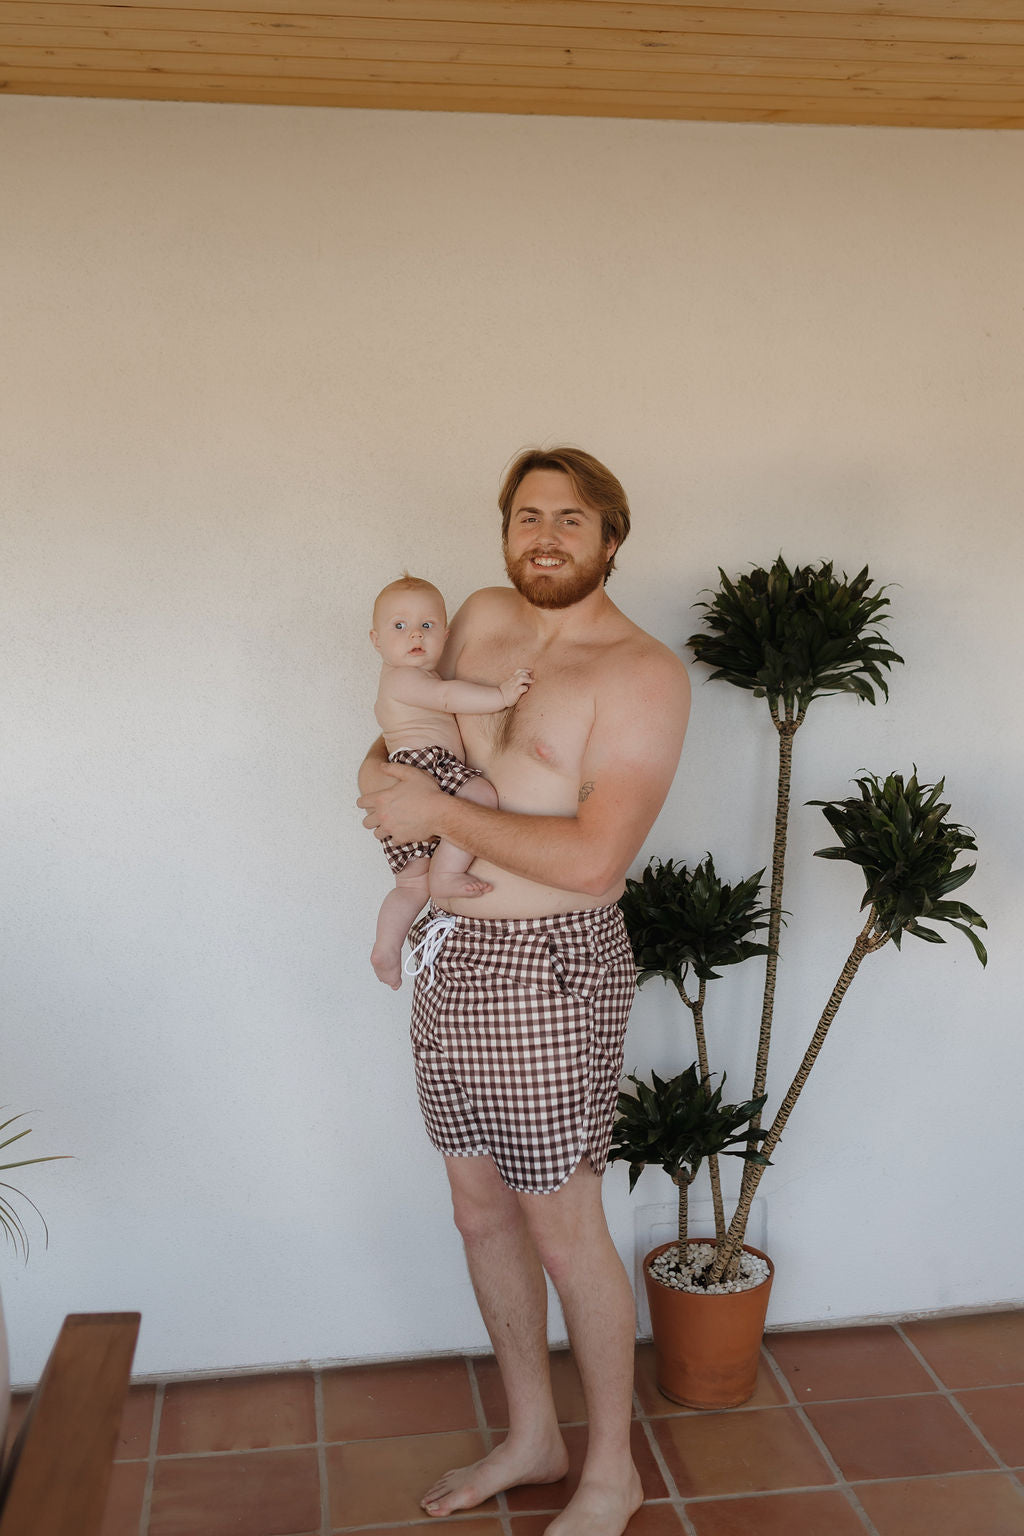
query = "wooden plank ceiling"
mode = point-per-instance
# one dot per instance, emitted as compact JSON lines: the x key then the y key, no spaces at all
{"x":930,"y":63}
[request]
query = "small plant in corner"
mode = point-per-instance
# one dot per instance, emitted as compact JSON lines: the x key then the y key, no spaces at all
{"x":11,"y":1224}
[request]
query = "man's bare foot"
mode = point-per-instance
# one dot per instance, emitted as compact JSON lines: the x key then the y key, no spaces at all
{"x":449,"y":887}
{"x":466,"y":1487}
{"x":387,"y":965}
{"x":599,"y":1508}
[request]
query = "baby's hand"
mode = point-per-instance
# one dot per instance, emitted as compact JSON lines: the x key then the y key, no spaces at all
{"x":515,"y":686}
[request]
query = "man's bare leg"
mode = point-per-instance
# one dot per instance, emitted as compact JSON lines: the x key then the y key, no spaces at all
{"x":571,"y":1235}
{"x":448,"y":868}
{"x":510,"y":1289}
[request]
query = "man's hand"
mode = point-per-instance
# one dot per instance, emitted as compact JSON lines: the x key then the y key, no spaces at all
{"x":374,"y":769}
{"x":515,"y":686}
{"x":406,"y":811}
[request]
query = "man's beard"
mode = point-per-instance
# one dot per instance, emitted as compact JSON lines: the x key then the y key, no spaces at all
{"x":570,"y":584}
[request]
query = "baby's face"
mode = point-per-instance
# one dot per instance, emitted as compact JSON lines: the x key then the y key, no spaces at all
{"x":410,"y":628}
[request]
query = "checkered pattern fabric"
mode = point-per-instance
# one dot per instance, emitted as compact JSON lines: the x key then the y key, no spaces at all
{"x":450,"y":772}
{"x":518,"y":1041}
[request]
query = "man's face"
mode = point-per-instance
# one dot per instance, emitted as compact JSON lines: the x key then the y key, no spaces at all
{"x":410,"y":627}
{"x":555,"y":554}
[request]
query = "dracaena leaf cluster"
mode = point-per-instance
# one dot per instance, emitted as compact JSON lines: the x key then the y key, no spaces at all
{"x":682,"y":919}
{"x":897,"y":831}
{"x":677,"y":1123}
{"x":795,"y":635}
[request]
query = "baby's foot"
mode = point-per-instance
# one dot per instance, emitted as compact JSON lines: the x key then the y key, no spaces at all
{"x":388,"y":966}
{"x":449,"y":887}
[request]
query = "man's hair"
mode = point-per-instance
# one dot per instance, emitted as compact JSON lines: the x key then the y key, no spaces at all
{"x":406,"y":583}
{"x":594,"y":486}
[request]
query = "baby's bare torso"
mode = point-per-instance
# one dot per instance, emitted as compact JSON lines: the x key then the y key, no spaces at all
{"x":407,"y":726}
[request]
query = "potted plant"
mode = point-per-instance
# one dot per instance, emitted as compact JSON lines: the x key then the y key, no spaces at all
{"x":678,"y":1124}
{"x":790,"y":637}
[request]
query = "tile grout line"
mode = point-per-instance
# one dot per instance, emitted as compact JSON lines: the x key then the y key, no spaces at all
{"x":504,"y":1516}
{"x":844,"y":1488}
{"x":662,"y":1465}
{"x":839,"y":1485}
{"x":154,"y":1436}
{"x":321,"y":1454}
{"x":948,"y":1393}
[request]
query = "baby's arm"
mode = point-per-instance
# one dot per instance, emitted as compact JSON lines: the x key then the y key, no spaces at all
{"x":453,"y":696}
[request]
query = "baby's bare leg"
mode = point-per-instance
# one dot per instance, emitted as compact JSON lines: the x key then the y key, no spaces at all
{"x":448,"y":877}
{"x":397,"y":913}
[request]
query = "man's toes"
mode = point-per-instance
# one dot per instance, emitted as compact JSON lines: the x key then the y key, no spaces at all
{"x":434,"y":1496}
{"x":440,"y":1506}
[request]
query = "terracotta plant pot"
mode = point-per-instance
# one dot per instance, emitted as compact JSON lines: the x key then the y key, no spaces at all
{"x":707,"y":1347}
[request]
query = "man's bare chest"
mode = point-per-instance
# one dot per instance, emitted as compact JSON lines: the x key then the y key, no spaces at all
{"x":549,"y":726}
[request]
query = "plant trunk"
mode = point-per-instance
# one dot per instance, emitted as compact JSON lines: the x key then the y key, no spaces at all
{"x":727,"y":1258}
{"x":787,"y":728}
{"x":682,"y":1183}
{"x":696,"y":1007}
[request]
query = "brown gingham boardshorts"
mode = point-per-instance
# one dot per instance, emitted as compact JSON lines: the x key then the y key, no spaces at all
{"x":518,"y":1040}
{"x":450,"y":772}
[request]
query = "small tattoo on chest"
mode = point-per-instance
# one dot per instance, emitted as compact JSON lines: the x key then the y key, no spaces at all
{"x":586,"y":789}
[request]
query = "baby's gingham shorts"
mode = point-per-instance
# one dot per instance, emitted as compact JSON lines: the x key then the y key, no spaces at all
{"x":518,"y":1027}
{"x":450,"y":773}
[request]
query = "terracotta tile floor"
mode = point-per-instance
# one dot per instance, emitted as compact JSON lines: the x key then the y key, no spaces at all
{"x":913,"y":1430}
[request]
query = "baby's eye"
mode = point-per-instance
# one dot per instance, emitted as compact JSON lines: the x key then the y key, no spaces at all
{"x":428,"y":624}
{"x":399,"y":623}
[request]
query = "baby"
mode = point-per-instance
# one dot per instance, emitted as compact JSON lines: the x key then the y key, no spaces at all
{"x":416,"y":710}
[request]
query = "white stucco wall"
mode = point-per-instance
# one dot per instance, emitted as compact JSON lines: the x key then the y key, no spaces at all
{"x":256,"y":360}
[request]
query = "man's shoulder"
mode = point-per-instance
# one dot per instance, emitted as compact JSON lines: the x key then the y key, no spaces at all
{"x":487,"y":600}
{"x":638,"y":651}
{"x":485,"y":609}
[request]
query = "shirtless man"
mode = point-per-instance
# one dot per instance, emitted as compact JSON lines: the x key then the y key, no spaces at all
{"x":582,"y":764}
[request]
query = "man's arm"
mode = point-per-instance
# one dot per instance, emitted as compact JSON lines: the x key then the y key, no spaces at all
{"x":627,"y":770}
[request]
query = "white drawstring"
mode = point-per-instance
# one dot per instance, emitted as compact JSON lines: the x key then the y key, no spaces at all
{"x":430,"y":946}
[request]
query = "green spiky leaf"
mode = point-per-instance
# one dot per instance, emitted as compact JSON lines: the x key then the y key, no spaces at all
{"x":680,"y":1122}
{"x":795,"y":635}
{"x":11,"y":1224}
{"x":898,"y":833}
{"x":681,"y":919}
